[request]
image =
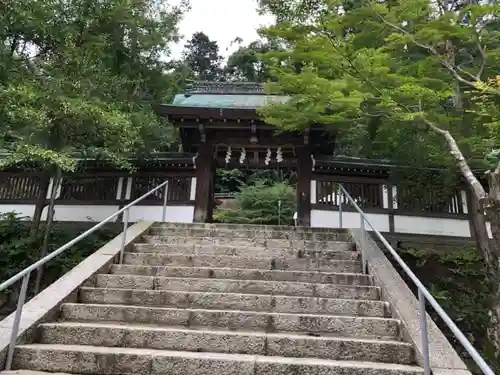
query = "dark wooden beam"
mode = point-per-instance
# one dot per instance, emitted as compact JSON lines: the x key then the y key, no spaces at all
{"x":204,"y":182}
{"x":178,"y":113}
{"x":304,"y":175}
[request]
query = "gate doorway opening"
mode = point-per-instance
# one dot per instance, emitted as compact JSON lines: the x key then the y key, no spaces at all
{"x":255,"y":196}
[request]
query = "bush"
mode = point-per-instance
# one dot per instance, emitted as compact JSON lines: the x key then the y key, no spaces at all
{"x":456,"y":279}
{"x":19,"y":249}
{"x":258,"y":204}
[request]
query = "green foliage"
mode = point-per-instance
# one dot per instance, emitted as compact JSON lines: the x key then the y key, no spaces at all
{"x":19,"y":249}
{"x":229,"y":180}
{"x":232,"y":180}
{"x":246,"y":64}
{"x":77,"y":78}
{"x":380,"y":72}
{"x":201,"y":57}
{"x":456,"y":278}
{"x":258,"y":204}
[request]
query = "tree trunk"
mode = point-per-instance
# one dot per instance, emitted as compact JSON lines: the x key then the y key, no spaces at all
{"x":489,"y":204}
{"x":493,"y":332}
{"x":40,"y":202}
{"x":48,"y":225}
{"x":483,"y":244}
{"x":492,"y":208}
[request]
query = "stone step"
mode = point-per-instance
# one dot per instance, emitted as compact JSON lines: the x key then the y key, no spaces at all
{"x":212,"y":226}
{"x":244,"y":274}
{"x":223,"y":341}
{"x":28,"y":372}
{"x":339,"y":251}
{"x":129,"y":361}
{"x":239,"y":242}
{"x":341,"y":326}
{"x":162,"y":259}
{"x":234,"y":301}
{"x":287,"y":288}
{"x":250,"y":233}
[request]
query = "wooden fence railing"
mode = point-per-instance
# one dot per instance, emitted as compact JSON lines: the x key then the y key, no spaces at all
{"x":378,"y":197}
{"x":93,"y":189}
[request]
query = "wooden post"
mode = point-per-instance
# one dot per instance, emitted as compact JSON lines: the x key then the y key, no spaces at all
{"x":211,"y":203}
{"x":204,"y":178}
{"x":390,"y":209}
{"x":304,"y":176}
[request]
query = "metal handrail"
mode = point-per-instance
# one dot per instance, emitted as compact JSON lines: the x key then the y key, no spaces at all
{"x":26,"y":273}
{"x":423,"y":294}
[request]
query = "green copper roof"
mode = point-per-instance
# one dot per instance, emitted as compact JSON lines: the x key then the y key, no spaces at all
{"x":225,"y":101}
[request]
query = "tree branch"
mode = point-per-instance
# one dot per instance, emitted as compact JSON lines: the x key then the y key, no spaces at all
{"x":482,"y":53}
{"x":451,"y":67}
{"x":460,"y":160}
{"x":350,"y":62}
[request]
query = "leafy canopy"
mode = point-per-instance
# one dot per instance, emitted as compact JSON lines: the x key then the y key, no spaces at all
{"x":381,"y":73}
{"x":77,"y":78}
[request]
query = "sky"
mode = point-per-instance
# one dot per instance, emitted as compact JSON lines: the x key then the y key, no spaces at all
{"x":222,"y":21}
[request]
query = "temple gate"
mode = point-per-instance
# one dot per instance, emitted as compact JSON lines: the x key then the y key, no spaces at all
{"x":219,"y":124}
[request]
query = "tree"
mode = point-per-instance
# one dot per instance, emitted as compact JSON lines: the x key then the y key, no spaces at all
{"x":389,"y":74}
{"x":76,"y":80}
{"x":259,"y":204}
{"x":201,"y":56}
{"x":77,"y":76}
{"x":246,"y":64}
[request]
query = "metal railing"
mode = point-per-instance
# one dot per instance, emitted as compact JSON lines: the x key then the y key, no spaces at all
{"x":423,"y":294}
{"x":26,"y":273}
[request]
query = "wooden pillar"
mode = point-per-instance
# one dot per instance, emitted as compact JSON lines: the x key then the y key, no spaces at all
{"x":304,"y":176}
{"x":204,"y":178}
{"x":211,"y":203}
{"x":390,"y":208}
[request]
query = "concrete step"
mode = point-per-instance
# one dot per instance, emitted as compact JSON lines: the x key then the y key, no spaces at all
{"x":265,"y":233}
{"x":129,"y":361}
{"x":223,"y":341}
{"x":28,"y":372}
{"x":214,"y":226}
{"x":237,"y":286}
{"x":339,"y":251}
{"x":244,"y":274}
{"x":234,"y":301}
{"x":239,"y":242}
{"x":340,"y":326}
{"x":162,"y":259}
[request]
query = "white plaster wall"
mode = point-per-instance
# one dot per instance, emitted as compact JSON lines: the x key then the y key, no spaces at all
{"x":91,"y":213}
{"x":314,"y":187}
{"x":488,"y":228}
{"x":24,"y":210}
{"x":402,"y":224}
{"x":96,"y":213}
{"x":175,"y":214}
{"x":432,"y":226}
{"x":330,"y":219}
{"x":192,"y":196}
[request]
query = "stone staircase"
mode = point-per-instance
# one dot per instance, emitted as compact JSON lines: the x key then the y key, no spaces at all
{"x":225,"y":300}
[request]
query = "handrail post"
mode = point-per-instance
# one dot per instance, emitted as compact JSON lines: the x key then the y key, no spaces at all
{"x":165,"y":198}
{"x":424,"y":295}
{"x":17,"y":321}
{"x":363,"y":243}
{"x":423,"y":332}
{"x":339,"y":195}
{"x":124,"y":234}
{"x":279,"y":212}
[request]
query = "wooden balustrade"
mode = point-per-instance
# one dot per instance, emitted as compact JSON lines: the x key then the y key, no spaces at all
{"x":405,"y":200}
{"x":17,"y":188}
